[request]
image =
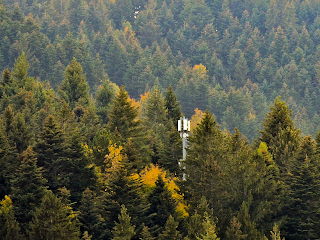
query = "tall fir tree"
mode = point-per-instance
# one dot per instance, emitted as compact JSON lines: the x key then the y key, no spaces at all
{"x":28,"y":186}
{"x":280,"y":134}
{"x":162,"y":205}
{"x":50,"y":151}
{"x":172,"y":105}
{"x":54,"y":220}
{"x":170,"y":231}
{"x":124,"y":120}
{"x":123,"y":230}
{"x":74,"y":87}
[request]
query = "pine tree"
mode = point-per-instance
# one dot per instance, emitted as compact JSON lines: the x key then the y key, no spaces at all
{"x":28,"y":186}
{"x":54,"y":220}
{"x":74,"y":87}
{"x":9,"y":226}
{"x":170,"y":231}
{"x":123,"y":230}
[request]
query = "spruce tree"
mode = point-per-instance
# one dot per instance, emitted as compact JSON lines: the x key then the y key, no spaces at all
{"x":74,"y":87}
{"x":280,"y":134}
{"x":123,"y":230}
{"x":162,"y":205}
{"x":170,"y":230}
{"x":172,"y":105}
{"x":209,"y":229}
{"x":234,"y":230}
{"x":50,"y":150}
{"x":303,"y":199}
{"x":124,"y":121}
{"x":90,"y":215}
{"x":54,"y":220}
{"x":28,"y":186}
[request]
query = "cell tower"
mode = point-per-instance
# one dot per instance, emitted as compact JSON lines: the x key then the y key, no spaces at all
{"x":184,"y":128}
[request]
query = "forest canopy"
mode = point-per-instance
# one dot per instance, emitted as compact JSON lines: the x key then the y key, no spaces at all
{"x":90,"y":95}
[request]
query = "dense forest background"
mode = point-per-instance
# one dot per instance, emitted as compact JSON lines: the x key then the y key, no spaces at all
{"x":91,"y":92}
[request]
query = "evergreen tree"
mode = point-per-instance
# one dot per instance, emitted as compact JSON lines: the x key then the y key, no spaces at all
{"x":123,"y":230}
{"x":27,"y":187}
{"x":234,"y":232}
{"x":123,"y":120}
{"x":54,"y":220}
{"x":74,"y":87}
{"x":172,"y":105}
{"x":280,"y":134}
{"x":303,"y":200}
{"x":122,"y":189}
{"x":9,"y":226}
{"x":50,"y":150}
{"x":162,"y":205}
{"x":90,"y":215}
{"x":170,"y":231}
{"x":210,"y":230}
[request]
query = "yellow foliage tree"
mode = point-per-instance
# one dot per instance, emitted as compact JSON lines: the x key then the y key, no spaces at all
{"x":149,"y":177}
{"x":196,"y":118}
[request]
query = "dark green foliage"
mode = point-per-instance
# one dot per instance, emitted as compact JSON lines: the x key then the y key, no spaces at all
{"x":90,"y":215}
{"x":28,"y":187}
{"x":172,"y":105}
{"x":162,"y":206}
{"x":123,"y":190}
{"x":74,"y":87}
{"x":280,"y":134}
{"x":50,"y":151}
{"x":302,"y":201}
{"x":54,"y":220}
{"x":124,"y":121}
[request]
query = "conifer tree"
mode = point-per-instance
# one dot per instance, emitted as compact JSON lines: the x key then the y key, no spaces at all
{"x":123,"y":230}
{"x":54,"y":220}
{"x":209,"y":229}
{"x":122,"y":189}
{"x":280,"y":134}
{"x":145,"y":234}
{"x":123,"y":120}
{"x":20,"y":70}
{"x":28,"y":186}
{"x":79,"y":175}
{"x":162,"y":205}
{"x":172,"y":105}
{"x":195,"y":221}
{"x":90,"y":215}
{"x":74,"y":87}
{"x":9,"y":226}
{"x":303,"y":199}
{"x":50,"y":150}
{"x":234,"y":232}
{"x":170,"y":231}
